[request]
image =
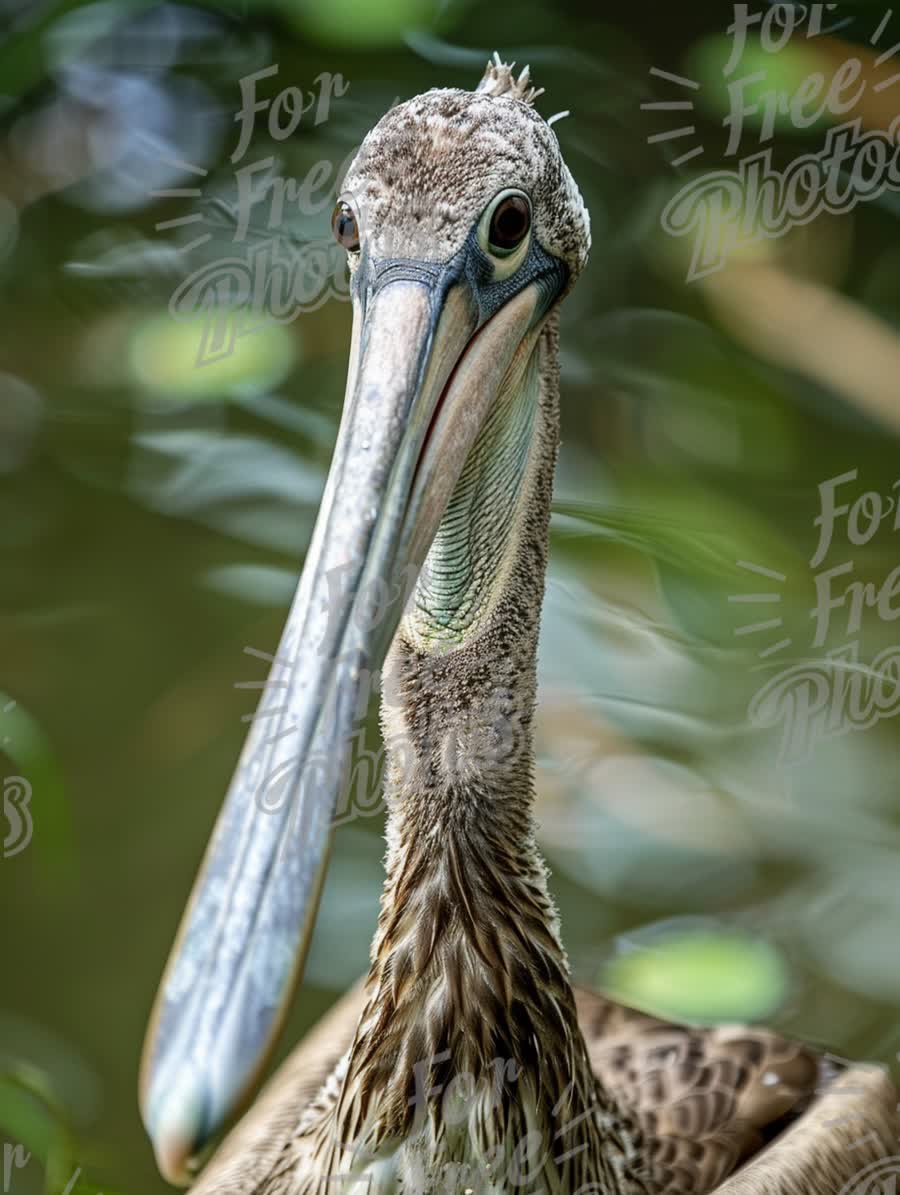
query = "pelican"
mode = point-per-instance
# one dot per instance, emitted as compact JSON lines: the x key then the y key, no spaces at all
{"x":466,"y":1061}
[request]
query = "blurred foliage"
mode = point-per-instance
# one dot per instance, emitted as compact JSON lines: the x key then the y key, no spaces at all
{"x":698,"y":974}
{"x":41,"y":1150}
{"x":164,"y":362}
{"x":154,"y":514}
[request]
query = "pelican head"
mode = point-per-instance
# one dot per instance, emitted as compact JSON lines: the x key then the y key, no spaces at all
{"x":463,"y":229}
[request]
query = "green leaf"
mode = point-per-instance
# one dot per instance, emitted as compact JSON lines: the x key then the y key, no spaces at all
{"x":164,"y":360}
{"x":702,"y":975}
{"x":25,"y":1117}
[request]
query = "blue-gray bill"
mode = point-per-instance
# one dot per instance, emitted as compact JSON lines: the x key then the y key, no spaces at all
{"x":423,"y":370}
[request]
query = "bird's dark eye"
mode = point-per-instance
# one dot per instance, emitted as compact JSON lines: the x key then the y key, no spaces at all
{"x":344,"y":227}
{"x":504,"y":232}
{"x":509,"y":225}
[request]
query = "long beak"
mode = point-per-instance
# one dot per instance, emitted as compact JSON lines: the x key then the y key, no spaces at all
{"x":422,"y":377}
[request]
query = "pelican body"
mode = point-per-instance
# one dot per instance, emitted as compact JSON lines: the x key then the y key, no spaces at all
{"x":465,"y":1061}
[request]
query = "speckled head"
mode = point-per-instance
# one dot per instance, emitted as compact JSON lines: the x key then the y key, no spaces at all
{"x":431,"y":167}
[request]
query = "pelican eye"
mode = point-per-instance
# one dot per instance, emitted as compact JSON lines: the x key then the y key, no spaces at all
{"x":344,"y":227}
{"x":503,"y":231}
{"x":509,"y":224}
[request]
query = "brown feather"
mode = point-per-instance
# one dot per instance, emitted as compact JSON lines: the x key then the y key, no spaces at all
{"x":653,"y":1066}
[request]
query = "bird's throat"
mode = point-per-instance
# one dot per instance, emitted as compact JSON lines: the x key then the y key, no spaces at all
{"x":458,"y":690}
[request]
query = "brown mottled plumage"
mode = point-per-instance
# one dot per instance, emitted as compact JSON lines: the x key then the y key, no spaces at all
{"x":466,"y":1061}
{"x":697,"y":1092}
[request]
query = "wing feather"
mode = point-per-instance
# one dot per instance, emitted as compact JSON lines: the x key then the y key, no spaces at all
{"x":708,"y":1101}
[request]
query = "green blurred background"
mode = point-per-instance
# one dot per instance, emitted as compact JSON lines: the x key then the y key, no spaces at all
{"x":154,"y":516}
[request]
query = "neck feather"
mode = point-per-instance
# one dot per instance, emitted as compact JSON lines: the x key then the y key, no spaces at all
{"x":468,"y":996}
{"x":467,"y":958}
